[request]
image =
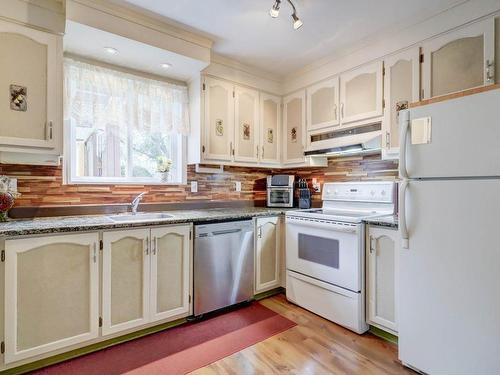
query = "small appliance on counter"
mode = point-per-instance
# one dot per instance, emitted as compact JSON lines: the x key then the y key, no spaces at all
{"x":280,"y":190}
{"x":304,"y":194}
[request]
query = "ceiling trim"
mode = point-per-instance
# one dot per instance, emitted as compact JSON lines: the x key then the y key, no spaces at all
{"x":156,"y":23}
{"x":249,"y":69}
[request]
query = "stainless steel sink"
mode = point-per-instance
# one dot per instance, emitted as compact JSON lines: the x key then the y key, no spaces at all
{"x":140,"y":216}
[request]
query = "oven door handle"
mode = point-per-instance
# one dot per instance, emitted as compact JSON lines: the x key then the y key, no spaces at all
{"x":349,"y":228}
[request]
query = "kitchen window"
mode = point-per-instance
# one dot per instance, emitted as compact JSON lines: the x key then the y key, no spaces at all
{"x":123,"y":128}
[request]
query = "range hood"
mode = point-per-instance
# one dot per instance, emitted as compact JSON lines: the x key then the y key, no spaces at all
{"x":357,"y":141}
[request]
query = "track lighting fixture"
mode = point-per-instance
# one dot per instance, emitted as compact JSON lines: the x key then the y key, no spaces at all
{"x":275,"y":11}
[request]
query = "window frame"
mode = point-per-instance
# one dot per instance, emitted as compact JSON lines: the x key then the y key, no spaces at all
{"x":69,"y":163}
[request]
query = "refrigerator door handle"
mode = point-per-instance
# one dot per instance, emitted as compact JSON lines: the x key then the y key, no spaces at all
{"x":402,"y":215}
{"x":405,"y":124}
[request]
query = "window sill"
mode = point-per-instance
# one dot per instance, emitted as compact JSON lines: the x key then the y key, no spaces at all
{"x":84,"y":181}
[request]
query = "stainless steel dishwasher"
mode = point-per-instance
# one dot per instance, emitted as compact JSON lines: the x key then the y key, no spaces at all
{"x":223,"y":265}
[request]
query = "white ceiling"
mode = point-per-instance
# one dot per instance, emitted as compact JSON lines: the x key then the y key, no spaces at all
{"x":243,"y":30}
{"x":89,"y":42}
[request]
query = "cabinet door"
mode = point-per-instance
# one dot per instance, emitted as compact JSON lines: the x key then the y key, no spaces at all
{"x":459,"y":60}
{"x":361,"y":94}
{"x":383,"y":267}
{"x":219,"y":120}
{"x":322,"y":105}
{"x":270,"y":128}
{"x":401,"y":87}
{"x":246,"y":115}
{"x":267,"y":252}
{"x":51,"y":293}
{"x":294,"y":119}
{"x":170,"y":272}
{"x":30,"y":88}
{"x":125,"y":280}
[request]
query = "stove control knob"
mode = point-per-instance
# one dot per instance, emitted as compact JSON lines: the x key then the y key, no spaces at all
{"x":372,"y":193}
{"x":383,"y":192}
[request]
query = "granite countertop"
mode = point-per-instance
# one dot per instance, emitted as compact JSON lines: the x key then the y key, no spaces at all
{"x":390,"y":221}
{"x":81,"y":223}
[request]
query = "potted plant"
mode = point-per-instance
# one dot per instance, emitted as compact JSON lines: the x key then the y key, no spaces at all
{"x":7,"y":197}
{"x":163,"y":166}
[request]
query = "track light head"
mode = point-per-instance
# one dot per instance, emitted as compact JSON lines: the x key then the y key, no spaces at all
{"x":297,"y":23}
{"x":275,"y":10}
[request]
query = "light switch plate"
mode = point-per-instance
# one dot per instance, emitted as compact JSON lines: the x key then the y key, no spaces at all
{"x":13,"y":184}
{"x":421,"y":130}
{"x":194,"y":186}
{"x":238,"y":186}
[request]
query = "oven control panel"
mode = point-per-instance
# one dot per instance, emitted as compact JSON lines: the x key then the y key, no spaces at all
{"x":383,"y":191}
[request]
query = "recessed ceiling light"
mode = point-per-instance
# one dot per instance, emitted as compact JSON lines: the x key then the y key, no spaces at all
{"x":111,"y":50}
{"x":166,"y":65}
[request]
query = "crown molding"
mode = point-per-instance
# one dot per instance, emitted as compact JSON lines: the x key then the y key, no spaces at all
{"x":147,"y":19}
{"x":249,"y":69}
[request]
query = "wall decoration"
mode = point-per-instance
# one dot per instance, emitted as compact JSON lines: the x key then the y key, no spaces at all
{"x":219,"y":128}
{"x":18,"y":98}
{"x":293,"y":135}
{"x":246,"y":131}
{"x":270,"y":135}
{"x":401,"y":105}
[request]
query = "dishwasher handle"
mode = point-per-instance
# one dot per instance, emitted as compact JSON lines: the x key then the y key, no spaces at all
{"x":218,"y":233}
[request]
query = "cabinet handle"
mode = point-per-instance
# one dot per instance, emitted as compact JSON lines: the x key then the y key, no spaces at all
{"x":48,"y":130}
{"x":147,"y":246}
{"x":335,"y":111}
{"x":154,"y":245}
{"x":231,"y":149}
{"x":95,"y":252}
{"x":387,"y":140}
{"x":260,"y":232}
{"x":257,"y":152}
{"x":373,"y":243}
{"x":490,"y":70}
{"x":341,"y":110}
{"x":262,"y":152}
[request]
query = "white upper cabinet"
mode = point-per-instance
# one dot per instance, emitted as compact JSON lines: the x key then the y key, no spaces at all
{"x":401,"y":87}
{"x":219,"y":120}
{"x":323,"y":105}
{"x":382,"y":255}
{"x":51,"y":293}
{"x":170,"y":272}
{"x":30,"y":90}
{"x":294,"y":128}
{"x":459,"y":60}
{"x":270,"y":128}
{"x":246,"y":135}
{"x":361,"y":94}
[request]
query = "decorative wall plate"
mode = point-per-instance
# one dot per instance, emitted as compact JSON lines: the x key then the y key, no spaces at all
{"x":270,"y":135}
{"x":246,"y":131}
{"x":18,"y":98}
{"x":293,"y":135}
{"x":219,"y":128}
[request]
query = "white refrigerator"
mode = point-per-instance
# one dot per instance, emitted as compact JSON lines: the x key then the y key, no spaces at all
{"x":449,"y":303}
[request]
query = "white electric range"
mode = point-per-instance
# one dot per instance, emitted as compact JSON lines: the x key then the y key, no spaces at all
{"x":325,"y":248}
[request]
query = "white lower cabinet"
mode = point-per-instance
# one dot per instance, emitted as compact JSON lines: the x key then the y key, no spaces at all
{"x":146,"y":276}
{"x":268,"y":253}
{"x":170,"y":272}
{"x":51,"y":293}
{"x":382,"y":274}
{"x":125,"y":279}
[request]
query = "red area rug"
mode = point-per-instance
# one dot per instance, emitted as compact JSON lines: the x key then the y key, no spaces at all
{"x":181,"y":349}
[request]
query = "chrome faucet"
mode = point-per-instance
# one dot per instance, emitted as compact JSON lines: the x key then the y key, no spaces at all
{"x":136,"y":202}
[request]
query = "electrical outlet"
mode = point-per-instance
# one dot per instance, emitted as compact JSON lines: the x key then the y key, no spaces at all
{"x":316,"y":186}
{"x":238,"y":186}
{"x":12,"y":184}
{"x":194,"y":186}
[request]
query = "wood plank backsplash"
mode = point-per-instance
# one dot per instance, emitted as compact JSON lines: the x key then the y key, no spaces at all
{"x":42,"y":185}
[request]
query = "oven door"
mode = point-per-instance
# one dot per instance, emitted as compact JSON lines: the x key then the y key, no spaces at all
{"x":280,"y":197}
{"x":327,"y":251}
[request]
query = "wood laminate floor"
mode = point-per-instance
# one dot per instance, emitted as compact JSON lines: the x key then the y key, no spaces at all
{"x":315,"y":346}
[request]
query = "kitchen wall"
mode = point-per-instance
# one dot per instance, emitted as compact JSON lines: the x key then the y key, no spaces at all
{"x":42,"y":185}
